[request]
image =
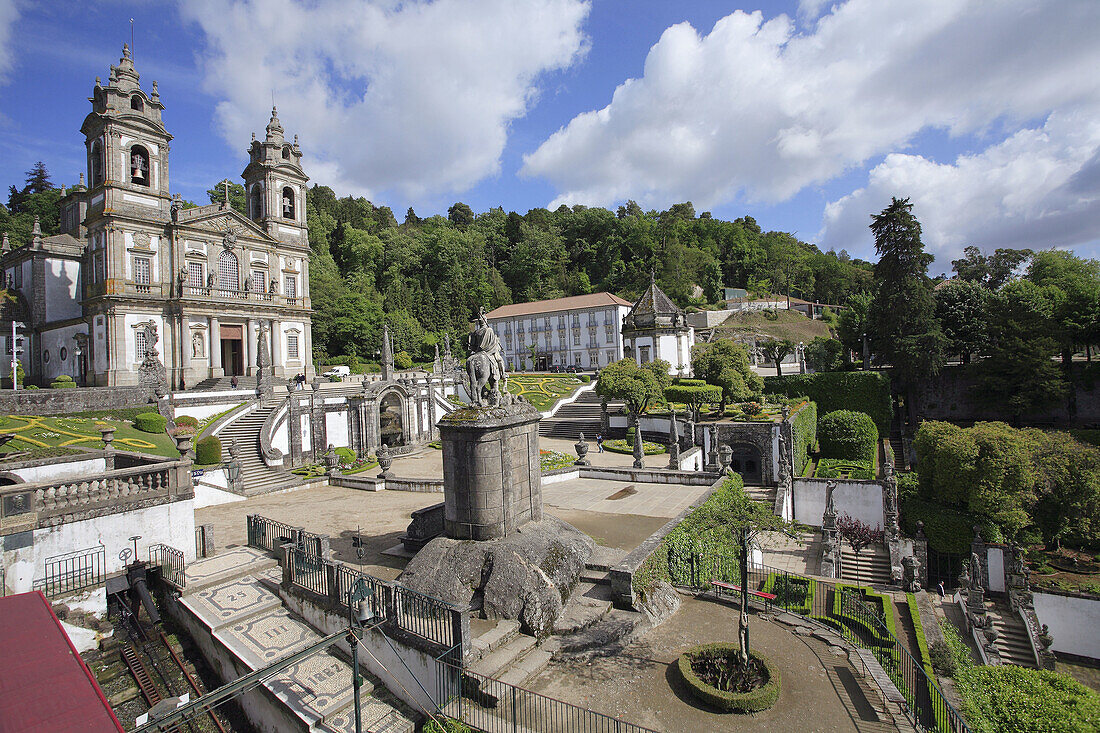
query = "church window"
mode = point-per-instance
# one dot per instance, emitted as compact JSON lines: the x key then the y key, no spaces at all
{"x":292,"y":346}
{"x":286,"y":153}
{"x":228,"y":271}
{"x":139,"y":166}
{"x":259,"y":279}
{"x":100,"y":267}
{"x":256,"y":202}
{"x":288,"y":203}
{"x":136,"y":103}
{"x":194,"y":274}
{"x":95,"y":164}
{"x":139,"y":345}
{"x":141,"y":273}
{"x":290,"y":286}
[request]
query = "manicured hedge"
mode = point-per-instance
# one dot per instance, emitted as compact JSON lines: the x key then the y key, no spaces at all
{"x":150,"y":422}
{"x":347,"y":455}
{"x":867,"y":392}
{"x":741,"y":702}
{"x":793,"y":592}
{"x":63,"y":381}
{"x":848,"y":434}
{"x":1011,"y":698}
{"x":804,"y":429}
{"x":845,"y":468}
{"x":208,"y":450}
{"x":186,"y":421}
{"x":685,"y":382}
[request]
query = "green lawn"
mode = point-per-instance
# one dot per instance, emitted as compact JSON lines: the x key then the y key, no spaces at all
{"x":544,"y":390}
{"x":34,"y":433}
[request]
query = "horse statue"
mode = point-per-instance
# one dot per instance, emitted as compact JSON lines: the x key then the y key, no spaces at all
{"x":485,"y":371}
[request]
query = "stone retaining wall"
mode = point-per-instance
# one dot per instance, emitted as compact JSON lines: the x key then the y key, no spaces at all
{"x":65,"y":401}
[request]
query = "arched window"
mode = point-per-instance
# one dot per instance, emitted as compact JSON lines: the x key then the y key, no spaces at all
{"x":228,"y":271}
{"x":288,"y":203}
{"x":139,"y":166}
{"x":137,"y":103}
{"x":256,"y":202}
{"x":95,"y":164}
{"x":286,"y":153}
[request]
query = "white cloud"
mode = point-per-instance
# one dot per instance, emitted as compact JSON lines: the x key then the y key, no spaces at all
{"x":759,"y":111}
{"x":8,"y":15}
{"x":414,"y":97}
{"x":1039,"y":188}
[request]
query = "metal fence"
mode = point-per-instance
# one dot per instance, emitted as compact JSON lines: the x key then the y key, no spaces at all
{"x":399,"y":608}
{"x":861,"y":616}
{"x":73,"y":571}
{"x":493,"y":706}
{"x":269,"y":534}
{"x":171,"y":564}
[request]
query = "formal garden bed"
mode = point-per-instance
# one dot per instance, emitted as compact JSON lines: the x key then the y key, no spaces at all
{"x":712,"y":674}
{"x":844,"y":468}
{"x":1064,"y":569}
{"x":35,"y":434}
{"x":543,"y":391}
{"x":349,"y":465}
{"x":552,"y":460}
{"x":620,"y":445}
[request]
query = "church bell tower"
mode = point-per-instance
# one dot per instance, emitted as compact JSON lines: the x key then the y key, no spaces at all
{"x":275,"y":185}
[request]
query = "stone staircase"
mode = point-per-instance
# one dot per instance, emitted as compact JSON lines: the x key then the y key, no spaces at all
{"x":256,"y":476}
{"x":765,"y":494}
{"x":232,"y":598}
{"x":869,"y":567}
{"x":573,"y":419}
{"x":219,"y":383}
{"x":1012,"y":640}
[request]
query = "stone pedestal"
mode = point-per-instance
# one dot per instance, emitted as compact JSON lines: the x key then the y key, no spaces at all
{"x":491,"y":471}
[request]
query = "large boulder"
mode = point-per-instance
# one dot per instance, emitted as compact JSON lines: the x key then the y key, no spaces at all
{"x":527,"y":575}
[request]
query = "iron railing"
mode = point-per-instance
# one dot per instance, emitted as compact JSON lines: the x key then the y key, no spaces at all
{"x":861,"y":616}
{"x":269,"y":534}
{"x":397,"y":607}
{"x":73,"y":571}
{"x":171,"y":564}
{"x":493,"y":706}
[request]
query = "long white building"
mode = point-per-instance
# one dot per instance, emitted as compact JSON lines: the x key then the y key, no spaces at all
{"x":582,"y":330}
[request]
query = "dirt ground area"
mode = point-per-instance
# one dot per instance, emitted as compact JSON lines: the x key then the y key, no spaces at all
{"x":621,"y":531}
{"x":820,"y":691}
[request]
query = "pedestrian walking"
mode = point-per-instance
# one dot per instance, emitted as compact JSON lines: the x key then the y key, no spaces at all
{"x":599,"y":441}
{"x":942,"y":593}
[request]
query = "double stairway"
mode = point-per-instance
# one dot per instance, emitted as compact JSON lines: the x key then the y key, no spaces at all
{"x":1012,"y":641}
{"x":582,"y":416}
{"x":256,"y":476}
{"x":869,"y":567}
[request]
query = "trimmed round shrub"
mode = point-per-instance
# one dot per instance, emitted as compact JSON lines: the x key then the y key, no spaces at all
{"x":847,"y":434}
{"x":208,"y":450}
{"x":151,"y":422}
{"x":186,"y":421}
{"x":347,"y":455}
{"x":63,"y":381}
{"x":585,"y":378}
{"x":753,"y":701}
{"x":402,"y":360}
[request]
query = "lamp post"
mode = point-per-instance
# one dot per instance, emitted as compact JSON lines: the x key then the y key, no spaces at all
{"x":359,"y":612}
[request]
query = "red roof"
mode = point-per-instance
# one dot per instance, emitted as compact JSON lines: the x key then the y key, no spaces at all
{"x":44,"y":684}
{"x":592,"y":300}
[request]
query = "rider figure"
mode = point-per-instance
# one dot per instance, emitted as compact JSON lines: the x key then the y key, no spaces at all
{"x":485,"y":339}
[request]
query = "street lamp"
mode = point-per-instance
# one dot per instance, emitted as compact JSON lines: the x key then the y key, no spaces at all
{"x":359,"y":613}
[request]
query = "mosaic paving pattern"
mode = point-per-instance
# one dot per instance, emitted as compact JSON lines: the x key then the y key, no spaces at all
{"x":225,"y":565}
{"x":268,"y":638}
{"x":231,"y":602}
{"x":377,"y":717}
{"x":318,"y":686}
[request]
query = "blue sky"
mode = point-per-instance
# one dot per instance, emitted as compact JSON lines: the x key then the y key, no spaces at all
{"x":806,"y":115}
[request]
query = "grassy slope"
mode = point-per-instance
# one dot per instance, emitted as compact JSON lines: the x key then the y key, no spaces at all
{"x":787,"y":325}
{"x":81,"y":432}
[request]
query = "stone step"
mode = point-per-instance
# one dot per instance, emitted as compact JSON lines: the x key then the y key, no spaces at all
{"x":595,"y":577}
{"x":531,"y":664}
{"x":605,"y":558}
{"x":504,"y":656}
{"x":588,"y":605}
{"x":504,"y":631}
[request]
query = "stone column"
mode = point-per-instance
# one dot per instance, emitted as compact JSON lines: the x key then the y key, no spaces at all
{"x":307,"y":350}
{"x":250,"y":347}
{"x":185,"y":350}
{"x":215,"y":347}
{"x":277,"y":348}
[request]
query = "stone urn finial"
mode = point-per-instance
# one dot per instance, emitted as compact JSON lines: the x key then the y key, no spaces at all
{"x":385,"y":460}
{"x":639,"y":452}
{"x":332,"y":461}
{"x":183,"y":443}
{"x":725,"y":457}
{"x":582,"y":452}
{"x":108,"y":434}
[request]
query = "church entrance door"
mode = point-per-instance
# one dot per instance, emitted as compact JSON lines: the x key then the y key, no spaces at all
{"x":232,"y":346}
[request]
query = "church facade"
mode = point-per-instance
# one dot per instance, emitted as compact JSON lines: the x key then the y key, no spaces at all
{"x":224,"y":292}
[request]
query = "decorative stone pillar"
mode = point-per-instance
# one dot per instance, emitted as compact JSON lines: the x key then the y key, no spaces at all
{"x":605,"y":418}
{"x":108,"y":451}
{"x":491,"y":470}
{"x":673,"y":442}
{"x":250,"y":346}
{"x":277,"y":348}
{"x":215,"y":349}
{"x":639,"y":452}
{"x":920,"y":551}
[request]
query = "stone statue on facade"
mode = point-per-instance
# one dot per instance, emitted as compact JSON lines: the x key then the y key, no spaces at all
{"x":975,"y":572}
{"x":485,"y":369}
{"x":910,"y":574}
{"x":249,"y":283}
{"x":211,"y":281}
{"x":151,"y":372}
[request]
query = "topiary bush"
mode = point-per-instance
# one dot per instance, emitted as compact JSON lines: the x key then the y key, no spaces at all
{"x":208,"y":450}
{"x":752,"y":701}
{"x":63,"y":381}
{"x":867,"y":392}
{"x":151,"y":422}
{"x":848,"y":434}
{"x":347,"y":455}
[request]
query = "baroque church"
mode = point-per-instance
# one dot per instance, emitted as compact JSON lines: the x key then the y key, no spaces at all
{"x":219,"y":294}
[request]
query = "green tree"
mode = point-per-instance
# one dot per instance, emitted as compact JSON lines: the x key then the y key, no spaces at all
{"x":777,"y":350}
{"x":1076,"y":295}
{"x":991,"y":272}
{"x":824,"y":355}
{"x":694,"y":396}
{"x":712,"y":282}
{"x":961,"y":310}
{"x":1017,"y":374}
{"x":625,"y":380}
{"x":902,"y":319}
{"x":460,"y":215}
{"x":1068,"y":490}
{"x":725,"y":363}
{"x":38,"y":179}
{"x":852,"y":323}
{"x":660,"y":370}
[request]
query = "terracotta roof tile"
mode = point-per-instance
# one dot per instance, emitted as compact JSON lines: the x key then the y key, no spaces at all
{"x":594,"y":300}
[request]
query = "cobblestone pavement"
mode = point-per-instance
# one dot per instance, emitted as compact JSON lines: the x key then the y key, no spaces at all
{"x":820,"y":691}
